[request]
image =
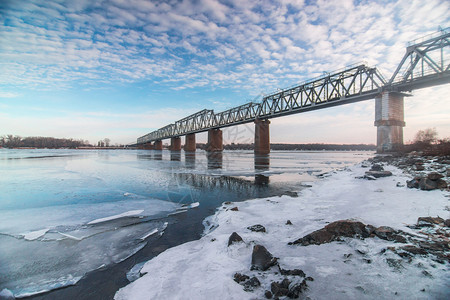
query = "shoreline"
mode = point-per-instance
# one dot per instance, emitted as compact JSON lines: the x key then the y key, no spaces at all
{"x":344,"y":195}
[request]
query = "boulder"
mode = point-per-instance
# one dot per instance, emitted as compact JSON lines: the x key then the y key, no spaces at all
{"x":429,"y":221}
{"x":262,"y":259}
{"x":426,"y":184}
{"x":234,"y":238}
{"x":334,"y":231}
{"x":294,"y":272}
{"x":441,"y":184}
{"x":251,"y":284}
{"x":238,"y":277}
{"x":389,"y":234}
{"x":434,"y":176}
{"x":378,"y":174}
{"x":414,"y":183}
{"x":447,"y":222}
{"x":376,"y":167}
{"x":234,"y":208}
{"x":419,"y":167}
{"x":288,"y":222}
{"x":257,"y":228}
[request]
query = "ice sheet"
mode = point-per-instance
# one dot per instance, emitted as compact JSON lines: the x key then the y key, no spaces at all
{"x":129,"y":213}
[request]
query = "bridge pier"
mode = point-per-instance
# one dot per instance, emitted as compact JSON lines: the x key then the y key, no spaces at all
{"x":147,"y":146}
{"x":215,"y":140}
{"x":262,"y":136}
{"x":175,"y":144}
{"x":189,"y":144}
{"x":389,"y":119}
{"x":158,"y":145}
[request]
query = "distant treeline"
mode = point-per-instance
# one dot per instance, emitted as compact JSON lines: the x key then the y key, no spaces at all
{"x":311,"y":147}
{"x":15,"y":141}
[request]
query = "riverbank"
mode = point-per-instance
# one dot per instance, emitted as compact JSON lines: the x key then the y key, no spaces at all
{"x":378,"y":251}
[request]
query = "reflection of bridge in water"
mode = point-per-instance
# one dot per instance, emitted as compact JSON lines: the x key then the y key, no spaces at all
{"x":214,"y":160}
{"x":425,"y":64}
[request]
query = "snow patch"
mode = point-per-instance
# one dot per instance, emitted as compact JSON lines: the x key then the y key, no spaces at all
{"x":357,"y":269}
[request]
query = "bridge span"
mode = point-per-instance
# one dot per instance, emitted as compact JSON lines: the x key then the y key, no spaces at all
{"x":426,"y":63}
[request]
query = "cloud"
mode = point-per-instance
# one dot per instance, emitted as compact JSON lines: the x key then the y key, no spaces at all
{"x":9,"y":94}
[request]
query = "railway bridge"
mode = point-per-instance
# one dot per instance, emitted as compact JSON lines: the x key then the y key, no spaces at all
{"x":426,"y":63}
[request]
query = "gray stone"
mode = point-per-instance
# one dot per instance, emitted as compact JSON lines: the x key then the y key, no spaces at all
{"x":257,"y":228}
{"x":378,"y":174}
{"x":262,"y":259}
{"x":434,"y":176}
{"x":426,"y":184}
{"x":234,"y":238}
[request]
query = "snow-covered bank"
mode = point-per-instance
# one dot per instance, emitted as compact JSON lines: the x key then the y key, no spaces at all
{"x":349,"y":269}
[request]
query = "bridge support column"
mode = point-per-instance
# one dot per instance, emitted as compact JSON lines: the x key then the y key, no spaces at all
{"x":189,"y":144}
{"x":158,"y":145}
{"x":262,"y":137}
{"x":389,"y":119}
{"x":147,"y":146}
{"x":175,"y":144}
{"x":215,"y":140}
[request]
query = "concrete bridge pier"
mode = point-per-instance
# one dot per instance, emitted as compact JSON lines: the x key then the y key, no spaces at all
{"x":189,"y":144}
{"x":389,"y":119}
{"x":262,"y":137}
{"x":175,"y":144}
{"x":158,"y":145}
{"x":215,"y":140}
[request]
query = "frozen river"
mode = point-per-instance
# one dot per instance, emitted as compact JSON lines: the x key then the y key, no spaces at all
{"x":64,"y":213}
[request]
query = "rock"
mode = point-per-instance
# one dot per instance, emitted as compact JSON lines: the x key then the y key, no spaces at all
{"x":291,"y":194}
{"x":441,"y":184}
{"x":294,"y":272}
{"x":234,"y":238}
{"x":426,"y":184}
{"x":419,"y":167}
{"x":414,"y":183}
{"x":262,"y":259}
{"x":296,"y":289}
{"x":278,"y":290}
{"x":378,"y":174}
{"x":399,"y":184}
{"x":251,"y":284}
{"x":268,"y":294}
{"x":429,"y":221}
{"x":235,"y":208}
{"x":434,"y":176}
{"x":414,"y":250}
{"x":447,"y":222}
{"x":389,"y":234}
{"x":238,"y":277}
{"x":376,"y":167}
{"x":334,"y":231}
{"x":288,"y":222}
{"x":257,"y":228}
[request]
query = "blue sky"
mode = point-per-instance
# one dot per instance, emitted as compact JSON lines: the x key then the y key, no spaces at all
{"x":122,"y":68}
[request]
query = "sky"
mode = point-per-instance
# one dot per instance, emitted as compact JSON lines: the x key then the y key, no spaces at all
{"x":120,"y":69}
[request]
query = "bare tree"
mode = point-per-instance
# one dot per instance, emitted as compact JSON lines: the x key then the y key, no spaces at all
{"x":107,"y":141}
{"x":426,"y":136}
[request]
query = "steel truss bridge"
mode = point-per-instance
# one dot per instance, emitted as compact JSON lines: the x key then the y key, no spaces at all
{"x":426,"y":63}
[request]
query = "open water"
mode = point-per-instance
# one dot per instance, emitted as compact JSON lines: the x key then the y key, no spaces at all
{"x":68,"y":213}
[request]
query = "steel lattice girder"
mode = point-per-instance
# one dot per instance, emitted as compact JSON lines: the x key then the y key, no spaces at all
{"x":422,"y":63}
{"x":353,"y":84}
